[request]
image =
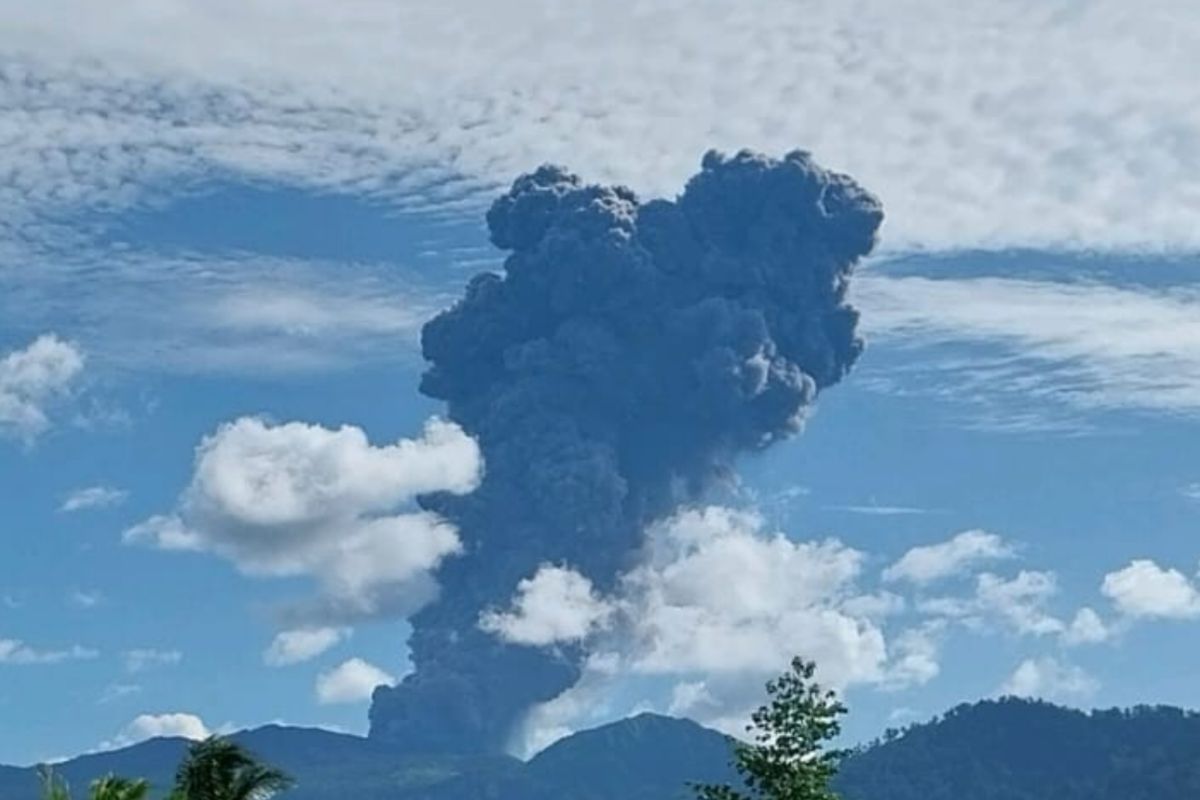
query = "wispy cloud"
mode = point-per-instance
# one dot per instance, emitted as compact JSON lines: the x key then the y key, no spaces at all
{"x":117,"y":691}
{"x":122,"y":108}
{"x":1098,"y":150}
{"x":93,"y":497}
{"x":218,"y":312}
{"x":142,"y":659}
{"x":882,"y":511}
{"x":85,"y":599}
{"x":16,"y":652}
{"x":1077,"y":347}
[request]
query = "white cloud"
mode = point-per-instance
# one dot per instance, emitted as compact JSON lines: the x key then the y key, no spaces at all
{"x":1019,"y":601}
{"x":84,"y":599}
{"x":107,"y":110}
{"x":720,"y":603}
{"x":1191,"y":491}
{"x":1080,"y":345}
{"x":930,"y":563}
{"x":31,"y":379}
{"x":916,"y":654}
{"x":226,"y":313}
{"x":142,"y":659}
{"x":352,"y":681}
{"x":1098,"y":149}
{"x":1018,"y":604}
{"x":1049,"y":679}
{"x":297,"y":499}
{"x":16,"y":652}
{"x":293,"y":311}
{"x":882,"y":511}
{"x":117,"y":691}
{"x":302,"y":644}
{"x":717,"y":593}
{"x":152,"y":726}
{"x":93,"y":497}
{"x":1144,"y":589}
{"x":1087,"y":628}
{"x":164,"y":532}
{"x":556,"y":605}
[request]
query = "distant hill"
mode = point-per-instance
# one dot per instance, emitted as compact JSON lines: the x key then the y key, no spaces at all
{"x":994,"y":750}
{"x":1021,"y":750}
{"x":647,"y":756}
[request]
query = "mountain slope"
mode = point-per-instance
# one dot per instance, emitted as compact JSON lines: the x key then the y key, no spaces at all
{"x":994,"y":750}
{"x":646,"y":756}
{"x":1020,"y":750}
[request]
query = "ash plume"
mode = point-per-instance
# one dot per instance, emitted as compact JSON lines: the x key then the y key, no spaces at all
{"x":626,"y":356}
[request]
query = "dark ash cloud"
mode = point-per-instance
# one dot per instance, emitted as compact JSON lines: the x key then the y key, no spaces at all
{"x":628,"y":354}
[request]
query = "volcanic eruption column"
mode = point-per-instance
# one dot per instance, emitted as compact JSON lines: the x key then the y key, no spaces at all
{"x":629,"y":352}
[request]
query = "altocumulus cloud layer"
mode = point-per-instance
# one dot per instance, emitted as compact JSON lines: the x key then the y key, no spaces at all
{"x":1082,"y":116}
{"x":1008,"y":123}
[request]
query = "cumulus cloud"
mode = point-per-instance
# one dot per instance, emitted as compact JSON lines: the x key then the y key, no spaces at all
{"x":296,"y":499}
{"x":152,"y":726}
{"x":717,"y":593}
{"x":916,"y":655}
{"x":720,"y":603}
{"x":16,"y":652}
{"x":302,"y":644}
{"x":93,"y":497}
{"x":1019,"y":601}
{"x":1018,"y":605}
{"x":1049,"y":679}
{"x":1087,"y":628}
{"x":556,"y":605}
{"x":31,"y":379}
{"x":351,"y":681}
{"x":1144,"y":589}
{"x":930,"y":563}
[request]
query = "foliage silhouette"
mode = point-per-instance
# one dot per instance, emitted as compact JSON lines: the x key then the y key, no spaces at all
{"x":788,"y":757}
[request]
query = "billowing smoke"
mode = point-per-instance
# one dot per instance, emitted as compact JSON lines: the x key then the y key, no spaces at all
{"x":628,"y":354}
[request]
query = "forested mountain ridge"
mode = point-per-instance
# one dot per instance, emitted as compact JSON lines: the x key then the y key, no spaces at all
{"x":1027,"y":750}
{"x":993,"y":750}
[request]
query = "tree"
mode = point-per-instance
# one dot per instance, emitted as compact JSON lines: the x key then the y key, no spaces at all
{"x":54,"y":787}
{"x":112,"y":787}
{"x":219,"y":769}
{"x":787,"y":757}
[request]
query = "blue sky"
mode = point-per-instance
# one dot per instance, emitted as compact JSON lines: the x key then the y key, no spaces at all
{"x":201,"y":228}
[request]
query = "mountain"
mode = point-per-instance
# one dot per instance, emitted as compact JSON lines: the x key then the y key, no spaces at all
{"x":993,"y":750}
{"x":1021,"y":750}
{"x":647,"y":756}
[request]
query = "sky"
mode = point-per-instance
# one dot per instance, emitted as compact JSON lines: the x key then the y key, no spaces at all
{"x":222,"y":225}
